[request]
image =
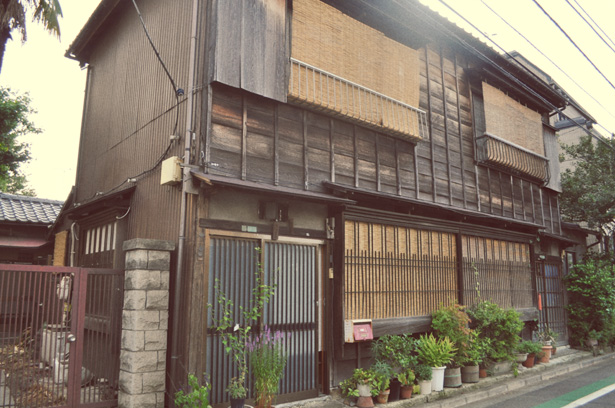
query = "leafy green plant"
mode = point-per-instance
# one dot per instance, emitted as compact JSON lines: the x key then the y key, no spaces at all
{"x":367,"y":377}
{"x":501,"y":326}
{"x":477,"y":349}
{"x":235,"y":330}
{"x":197,"y":397}
{"x":267,"y":359}
{"x":452,"y":321}
{"x":383,"y":373}
{"x":406,"y":377}
{"x":348,"y":387}
{"x":435,"y":352}
{"x":397,"y":351}
{"x":547,"y":336}
{"x":423,"y":372}
{"x":591,"y":300}
{"x":529,"y":347}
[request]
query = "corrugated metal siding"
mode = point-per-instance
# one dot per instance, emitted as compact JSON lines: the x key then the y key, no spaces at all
{"x":293,"y":310}
{"x":292,"y":267}
{"x":125,"y":128}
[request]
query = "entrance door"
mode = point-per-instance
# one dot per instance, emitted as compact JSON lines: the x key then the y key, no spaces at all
{"x":551,"y":297}
{"x":293,"y":267}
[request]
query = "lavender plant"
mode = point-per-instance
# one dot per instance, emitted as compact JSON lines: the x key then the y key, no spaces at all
{"x":267,"y":360}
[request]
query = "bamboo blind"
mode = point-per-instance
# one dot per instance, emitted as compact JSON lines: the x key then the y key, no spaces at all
{"x":509,"y":120}
{"x":502,"y":270}
{"x":394,"y":271}
{"x":335,"y":43}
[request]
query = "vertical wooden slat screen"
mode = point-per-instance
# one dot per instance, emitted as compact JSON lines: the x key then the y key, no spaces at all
{"x":396,"y":271}
{"x":500,"y":271}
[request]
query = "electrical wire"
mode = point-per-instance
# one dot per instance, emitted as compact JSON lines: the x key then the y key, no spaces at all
{"x":488,"y":60}
{"x":548,"y":59}
{"x":592,"y":20}
{"x":573,"y":43}
{"x":177,"y":93}
{"x":590,"y":26}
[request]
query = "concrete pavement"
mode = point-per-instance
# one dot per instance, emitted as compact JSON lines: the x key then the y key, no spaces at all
{"x":565,"y":361}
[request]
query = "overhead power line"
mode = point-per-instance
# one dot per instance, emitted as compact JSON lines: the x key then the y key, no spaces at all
{"x":590,"y":26}
{"x":573,"y":43}
{"x":501,"y":69}
{"x":548,"y":59}
{"x":593,"y":21}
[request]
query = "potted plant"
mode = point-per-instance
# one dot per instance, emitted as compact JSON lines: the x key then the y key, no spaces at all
{"x":502,"y":327}
{"x":399,"y":353}
{"x":198,"y":395}
{"x":547,"y":338}
{"x":237,"y":391}
{"x":406,"y":378}
{"x":436,"y":353}
{"x":530,"y":348}
{"x":423,"y":375}
{"x":474,"y":355}
{"x":383,"y":373}
{"x":452,"y":322}
{"x":364,"y":380}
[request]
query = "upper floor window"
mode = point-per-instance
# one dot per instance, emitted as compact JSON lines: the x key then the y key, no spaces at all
{"x":353,"y":70}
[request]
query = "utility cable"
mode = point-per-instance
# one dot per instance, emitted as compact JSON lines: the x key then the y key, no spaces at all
{"x":178,"y":92}
{"x":548,"y":59}
{"x":573,"y":43}
{"x":590,"y":26}
{"x":488,"y":60}
{"x":592,"y":20}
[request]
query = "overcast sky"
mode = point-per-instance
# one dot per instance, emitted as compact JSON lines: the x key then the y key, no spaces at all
{"x":56,"y":84}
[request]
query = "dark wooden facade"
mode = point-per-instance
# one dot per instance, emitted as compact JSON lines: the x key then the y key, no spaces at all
{"x":257,"y":151}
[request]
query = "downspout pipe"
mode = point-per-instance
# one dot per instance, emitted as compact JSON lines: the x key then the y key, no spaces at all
{"x":184,"y":194}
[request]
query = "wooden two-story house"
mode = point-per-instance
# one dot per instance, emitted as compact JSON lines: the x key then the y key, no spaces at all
{"x":384,"y":161}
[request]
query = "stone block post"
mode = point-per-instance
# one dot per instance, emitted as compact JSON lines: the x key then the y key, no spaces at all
{"x":145,"y":316}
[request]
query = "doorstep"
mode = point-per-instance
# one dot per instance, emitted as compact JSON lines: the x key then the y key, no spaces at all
{"x":566,"y":360}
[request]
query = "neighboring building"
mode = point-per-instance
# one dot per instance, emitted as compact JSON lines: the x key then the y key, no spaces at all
{"x":24,"y":229}
{"x":377,"y":154}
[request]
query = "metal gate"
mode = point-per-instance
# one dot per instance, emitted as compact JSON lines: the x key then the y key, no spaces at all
{"x":293,"y":267}
{"x":60,"y":331}
{"x":551,"y":298}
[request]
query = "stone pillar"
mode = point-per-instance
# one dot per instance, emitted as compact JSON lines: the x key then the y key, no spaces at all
{"x":145,"y":323}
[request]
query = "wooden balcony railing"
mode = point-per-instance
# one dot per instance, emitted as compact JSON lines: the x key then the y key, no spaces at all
{"x":510,"y":157}
{"x":322,"y":90}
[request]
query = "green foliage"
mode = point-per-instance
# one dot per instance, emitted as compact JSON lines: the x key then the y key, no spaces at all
{"x":547,"y":336}
{"x":423,"y":372}
{"x":435,"y":352}
{"x":500,"y":326}
{"x":234,"y":330}
{"x":267,"y":359}
{"x":198,"y":397}
{"x":406,"y":377}
{"x":529,"y":347}
{"x":588,"y":191}
{"x":452,"y":322}
{"x":477,"y":349}
{"x":397,"y":351}
{"x":359,"y":376}
{"x":14,"y":122}
{"x":13,"y":17}
{"x":591,"y":303}
{"x":383,"y":373}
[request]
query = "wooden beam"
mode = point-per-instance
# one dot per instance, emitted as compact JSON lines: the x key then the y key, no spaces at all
{"x":431,"y":142}
{"x":276,"y":147}
{"x":446,"y":132}
{"x":244,"y":137}
{"x":463,"y":172}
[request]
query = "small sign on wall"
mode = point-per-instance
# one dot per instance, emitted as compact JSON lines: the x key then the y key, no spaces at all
{"x":358,"y":330}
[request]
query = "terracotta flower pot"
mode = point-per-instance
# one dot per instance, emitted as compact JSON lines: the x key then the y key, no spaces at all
{"x":383,"y":397}
{"x":406,"y":392}
{"x":482,"y":372}
{"x":529,"y":362}
{"x":546,"y":354}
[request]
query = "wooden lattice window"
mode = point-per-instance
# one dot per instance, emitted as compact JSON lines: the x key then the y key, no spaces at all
{"x":500,"y":271}
{"x":396,"y":271}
